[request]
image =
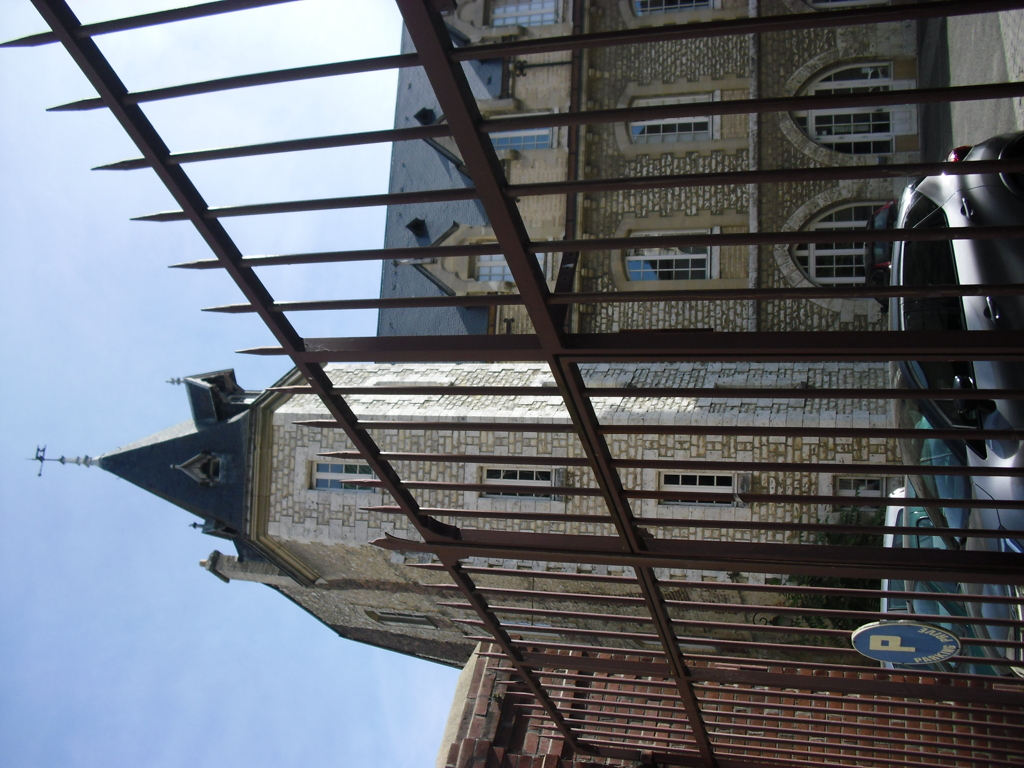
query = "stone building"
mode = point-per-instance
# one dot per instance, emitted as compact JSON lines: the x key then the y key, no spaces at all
{"x":263,"y":470}
{"x":713,"y":69}
{"x":303,"y":522}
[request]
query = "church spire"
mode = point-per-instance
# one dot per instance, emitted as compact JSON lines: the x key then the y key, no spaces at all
{"x":82,"y":461}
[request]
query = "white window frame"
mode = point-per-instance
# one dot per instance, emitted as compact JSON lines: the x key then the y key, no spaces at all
{"x":811,"y":257}
{"x":713,"y":122}
{"x":901,"y":120}
{"x":518,"y":476}
{"x":523,"y":140}
{"x":332,"y":476}
{"x":525,"y":13}
{"x":653,"y":7}
{"x":712,"y":483}
{"x":640,"y":255}
{"x":496,"y":264}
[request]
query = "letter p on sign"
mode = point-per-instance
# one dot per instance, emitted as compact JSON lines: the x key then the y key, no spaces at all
{"x":888,"y":643}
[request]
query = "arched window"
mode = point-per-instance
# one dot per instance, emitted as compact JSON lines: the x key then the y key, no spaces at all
{"x":863,"y":130}
{"x":836,"y":263}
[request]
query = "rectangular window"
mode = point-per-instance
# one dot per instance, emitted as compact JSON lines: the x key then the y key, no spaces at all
{"x":714,"y":489}
{"x":494,"y":268}
{"x":861,"y":487}
{"x":334,"y":476}
{"x":528,"y":138}
{"x":400,"y":619}
{"x":699,"y":128}
{"x":524,"y":13}
{"x":645,"y":7}
{"x":506,"y":476}
{"x":692,"y":262}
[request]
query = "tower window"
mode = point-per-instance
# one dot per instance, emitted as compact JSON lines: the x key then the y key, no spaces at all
{"x":507,"y":476}
{"x":528,"y":138}
{"x":714,"y":489}
{"x":335,"y":476}
{"x":524,"y":13}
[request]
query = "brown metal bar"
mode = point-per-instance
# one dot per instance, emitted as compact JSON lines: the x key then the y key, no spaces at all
{"x":590,"y":185}
{"x":885,"y":726}
{"x":247,"y":81}
{"x":763,"y":176}
{"x":697,"y":606}
{"x":669,"y":346}
{"x":872,"y":737}
{"x":715,"y":393}
{"x":910,"y":709}
{"x":644,"y":739}
{"x":738,"y":26}
{"x":486,"y":514}
{"x":321,"y":204}
{"x":770,"y":664}
{"x":832,"y":698}
{"x":956,"y":93}
{"x":779,"y":294}
{"x":289,"y":145}
{"x":469,"y":458}
{"x":927,"y":234}
{"x":144,"y":20}
{"x":908,"y":714}
{"x":701,"y":464}
{"x":488,"y":488}
{"x":509,"y":391}
{"x":455,"y":426}
{"x":810,"y":559}
{"x":478,"y":300}
{"x":716,"y":585}
{"x":878,"y":530}
{"x":682,"y":429}
{"x":841,"y":751}
{"x":788,"y":685}
{"x":641,"y":297}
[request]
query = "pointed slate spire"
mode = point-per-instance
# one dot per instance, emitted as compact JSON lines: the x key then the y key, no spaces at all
{"x":199,"y":465}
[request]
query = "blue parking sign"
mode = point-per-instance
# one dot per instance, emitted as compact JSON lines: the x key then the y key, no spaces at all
{"x":905,"y":642}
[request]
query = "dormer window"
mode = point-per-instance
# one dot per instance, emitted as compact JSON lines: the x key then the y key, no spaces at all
{"x":204,"y":468}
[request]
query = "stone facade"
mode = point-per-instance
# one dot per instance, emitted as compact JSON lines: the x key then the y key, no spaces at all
{"x":356,"y":587}
{"x":719,"y":68}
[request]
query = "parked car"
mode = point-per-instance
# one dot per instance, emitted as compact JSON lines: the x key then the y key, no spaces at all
{"x":939,"y":599}
{"x":967,"y":201}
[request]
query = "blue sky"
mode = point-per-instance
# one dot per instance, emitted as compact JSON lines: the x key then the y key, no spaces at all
{"x":114,"y":644}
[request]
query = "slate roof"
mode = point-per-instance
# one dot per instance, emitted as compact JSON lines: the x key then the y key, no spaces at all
{"x":417,"y":165}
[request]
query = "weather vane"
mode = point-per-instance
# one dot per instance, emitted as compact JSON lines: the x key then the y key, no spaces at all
{"x":177,"y":380}
{"x":82,"y":461}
